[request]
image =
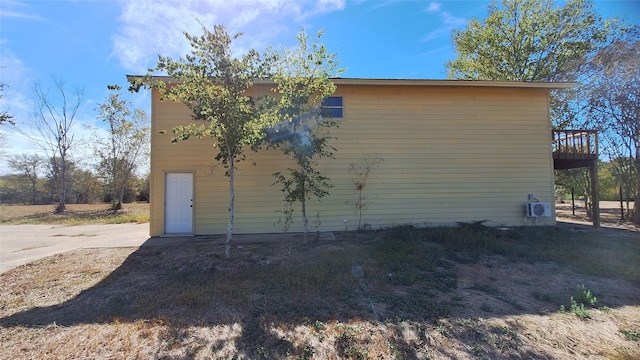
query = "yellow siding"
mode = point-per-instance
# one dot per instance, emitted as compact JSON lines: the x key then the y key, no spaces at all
{"x":450,"y":154}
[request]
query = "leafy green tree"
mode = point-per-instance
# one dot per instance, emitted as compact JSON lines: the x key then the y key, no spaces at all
{"x":531,"y":40}
{"x":85,"y":187}
{"x":613,"y":94}
{"x":28,"y":166}
{"x":125,"y":146}
{"x":623,"y":182}
{"x":579,"y":180}
{"x":608,"y":184}
{"x":140,"y":188}
{"x":528,"y":40}
{"x":303,"y":78}
{"x":54,"y":180}
{"x":82,"y":185}
{"x":611,"y":174}
{"x":625,"y":173}
{"x":13,"y":189}
{"x":212,"y":83}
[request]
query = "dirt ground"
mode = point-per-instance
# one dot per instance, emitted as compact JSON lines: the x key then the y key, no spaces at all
{"x":610,"y":214}
{"x":190,"y":303}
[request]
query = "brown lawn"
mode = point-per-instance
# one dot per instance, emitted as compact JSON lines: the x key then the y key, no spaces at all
{"x":76,"y":214}
{"x":466,"y":293}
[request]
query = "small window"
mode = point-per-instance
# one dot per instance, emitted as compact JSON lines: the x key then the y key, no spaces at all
{"x":332,"y":107}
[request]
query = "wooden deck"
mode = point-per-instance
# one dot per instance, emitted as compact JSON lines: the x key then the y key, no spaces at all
{"x":574,"y":148}
{"x":579,"y":149}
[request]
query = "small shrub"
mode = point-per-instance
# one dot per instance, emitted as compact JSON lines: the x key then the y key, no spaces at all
{"x":579,"y":310}
{"x":318,"y":326}
{"x":631,"y":335}
{"x":362,"y":170}
{"x":583,"y":296}
{"x":349,"y":345}
{"x":307,"y":352}
{"x":580,"y":297}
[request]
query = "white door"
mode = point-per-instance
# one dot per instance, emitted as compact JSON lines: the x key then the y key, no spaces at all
{"x":178,"y":205}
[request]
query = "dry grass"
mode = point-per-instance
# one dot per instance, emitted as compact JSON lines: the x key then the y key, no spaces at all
{"x":469,"y":293}
{"x":609,"y":213}
{"x":76,"y":214}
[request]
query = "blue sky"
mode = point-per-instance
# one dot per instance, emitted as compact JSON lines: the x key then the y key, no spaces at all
{"x":90,"y":44}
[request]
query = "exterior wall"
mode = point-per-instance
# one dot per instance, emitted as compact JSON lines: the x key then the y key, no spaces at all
{"x":450,"y":154}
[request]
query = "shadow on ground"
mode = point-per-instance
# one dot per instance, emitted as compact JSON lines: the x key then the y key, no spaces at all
{"x":361,"y":276}
{"x":192,"y":284}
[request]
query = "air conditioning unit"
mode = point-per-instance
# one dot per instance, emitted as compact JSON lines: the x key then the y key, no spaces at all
{"x":538,"y":209}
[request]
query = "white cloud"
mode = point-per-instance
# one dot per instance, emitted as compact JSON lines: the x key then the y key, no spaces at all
{"x":18,"y":79}
{"x":431,"y":52}
{"x":435,"y":34}
{"x":434,"y":7}
{"x":17,"y":9}
{"x":382,"y":4}
{"x":152,"y":27}
{"x":453,"y":20}
{"x":16,"y":100}
{"x":449,"y":22}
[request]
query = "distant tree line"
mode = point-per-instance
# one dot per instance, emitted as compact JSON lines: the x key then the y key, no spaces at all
{"x":34,"y":180}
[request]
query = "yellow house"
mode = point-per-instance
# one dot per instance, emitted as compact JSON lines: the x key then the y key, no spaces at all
{"x":452,"y":151}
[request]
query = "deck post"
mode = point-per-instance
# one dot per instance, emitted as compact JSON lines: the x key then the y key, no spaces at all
{"x":595,"y":195}
{"x":621,"y":205}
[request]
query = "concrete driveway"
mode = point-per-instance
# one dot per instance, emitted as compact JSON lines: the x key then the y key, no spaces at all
{"x":21,"y":244}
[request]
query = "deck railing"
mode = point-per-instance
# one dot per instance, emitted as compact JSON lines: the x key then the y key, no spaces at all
{"x":575,"y":144}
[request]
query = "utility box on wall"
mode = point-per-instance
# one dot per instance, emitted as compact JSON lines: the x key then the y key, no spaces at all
{"x":538,"y":209}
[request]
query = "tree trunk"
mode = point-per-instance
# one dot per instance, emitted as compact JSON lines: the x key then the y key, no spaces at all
{"x":636,"y":205}
{"x":636,"y":210}
{"x":587,"y":204}
{"x":116,"y":203}
{"x":232,"y":196}
{"x":359,"y":206}
{"x":62,"y":191}
{"x":303,"y":204}
{"x":115,"y":191}
{"x":121,"y":190}
{"x":34,"y":191}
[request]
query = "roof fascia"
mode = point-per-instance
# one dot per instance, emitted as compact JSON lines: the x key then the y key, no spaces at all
{"x":418,"y":82}
{"x":455,"y":83}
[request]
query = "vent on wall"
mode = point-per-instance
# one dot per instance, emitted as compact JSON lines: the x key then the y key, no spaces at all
{"x":538,"y":209}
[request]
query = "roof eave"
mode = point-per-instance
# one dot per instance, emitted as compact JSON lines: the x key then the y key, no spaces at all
{"x":418,"y":82}
{"x":456,"y":83}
